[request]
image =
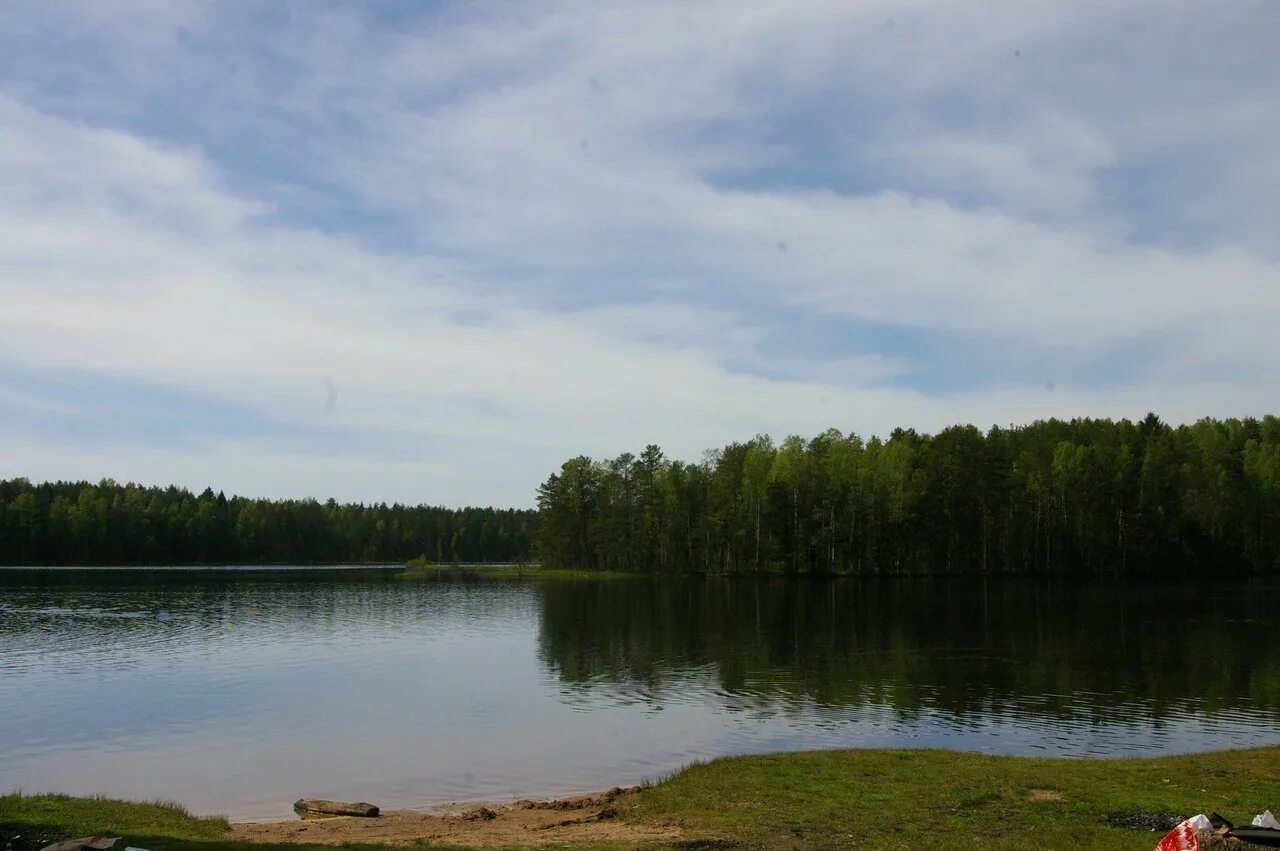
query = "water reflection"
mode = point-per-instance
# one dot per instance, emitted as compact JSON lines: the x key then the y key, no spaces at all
{"x":1039,"y":648}
{"x":242,"y":692}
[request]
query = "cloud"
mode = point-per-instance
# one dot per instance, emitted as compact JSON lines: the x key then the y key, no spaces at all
{"x":508,"y":239}
{"x":1050,"y":164}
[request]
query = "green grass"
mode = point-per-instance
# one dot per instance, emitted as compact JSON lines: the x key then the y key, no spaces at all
{"x":936,"y":799}
{"x":834,"y":799}
{"x":70,"y":816}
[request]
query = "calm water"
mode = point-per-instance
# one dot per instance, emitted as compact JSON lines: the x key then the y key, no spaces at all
{"x":240,"y":692}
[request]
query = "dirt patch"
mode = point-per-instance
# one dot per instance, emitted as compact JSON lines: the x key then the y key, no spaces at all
{"x":1044,"y":795}
{"x":590,"y":818}
{"x":1212,"y":840}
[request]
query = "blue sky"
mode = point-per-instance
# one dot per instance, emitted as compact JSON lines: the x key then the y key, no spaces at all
{"x":425,"y":252}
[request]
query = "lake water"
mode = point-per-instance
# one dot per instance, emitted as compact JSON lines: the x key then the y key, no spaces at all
{"x":238,"y":692}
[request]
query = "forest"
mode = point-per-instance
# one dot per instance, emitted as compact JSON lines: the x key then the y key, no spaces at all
{"x":1090,"y":496}
{"x":108,"y":523}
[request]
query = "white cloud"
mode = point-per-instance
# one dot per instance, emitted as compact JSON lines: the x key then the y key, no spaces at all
{"x":1050,"y":164}
{"x":593,"y":260}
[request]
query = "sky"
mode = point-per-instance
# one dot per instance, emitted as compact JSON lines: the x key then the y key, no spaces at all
{"x":425,"y":252}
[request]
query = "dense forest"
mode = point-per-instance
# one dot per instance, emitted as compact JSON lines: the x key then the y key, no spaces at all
{"x":1087,"y":496}
{"x":109,"y":523}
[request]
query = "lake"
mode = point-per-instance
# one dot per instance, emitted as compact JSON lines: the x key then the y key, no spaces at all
{"x":239,"y":691}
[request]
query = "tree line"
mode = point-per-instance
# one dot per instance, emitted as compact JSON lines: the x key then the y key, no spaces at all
{"x":1087,"y":495}
{"x":110,"y":523}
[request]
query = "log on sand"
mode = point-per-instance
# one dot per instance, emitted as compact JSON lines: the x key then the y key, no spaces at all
{"x":320,"y":807}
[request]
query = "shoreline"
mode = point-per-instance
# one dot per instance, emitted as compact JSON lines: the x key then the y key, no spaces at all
{"x":831,"y":799}
{"x":574,"y":819}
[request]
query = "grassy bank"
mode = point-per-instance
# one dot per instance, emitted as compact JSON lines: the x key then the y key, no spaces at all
{"x":61,"y":816}
{"x":932,"y":799}
{"x":838,"y":799}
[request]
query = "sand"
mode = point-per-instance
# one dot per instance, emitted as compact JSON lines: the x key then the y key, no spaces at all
{"x":589,"y":818}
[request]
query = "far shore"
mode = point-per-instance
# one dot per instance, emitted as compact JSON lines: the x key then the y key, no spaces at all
{"x":819,"y":799}
{"x":467,"y":571}
{"x":229,"y":566}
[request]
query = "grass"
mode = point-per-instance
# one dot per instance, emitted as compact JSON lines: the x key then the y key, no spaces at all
{"x":66,"y":816}
{"x":833,"y":799}
{"x":417,"y":570}
{"x":937,"y":799}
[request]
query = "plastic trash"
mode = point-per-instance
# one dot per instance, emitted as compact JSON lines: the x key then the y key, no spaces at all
{"x":1183,"y":837}
{"x":134,"y":848}
{"x":1266,"y":820}
{"x":1263,"y":837}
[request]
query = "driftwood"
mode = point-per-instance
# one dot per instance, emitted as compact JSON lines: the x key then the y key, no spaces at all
{"x":316,"y":806}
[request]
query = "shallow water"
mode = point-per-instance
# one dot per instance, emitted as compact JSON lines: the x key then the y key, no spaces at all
{"x":238,"y":692}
